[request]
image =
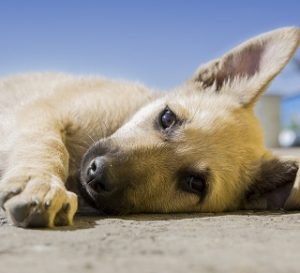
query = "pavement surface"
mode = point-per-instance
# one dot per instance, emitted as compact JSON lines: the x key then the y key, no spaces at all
{"x":234,"y":242}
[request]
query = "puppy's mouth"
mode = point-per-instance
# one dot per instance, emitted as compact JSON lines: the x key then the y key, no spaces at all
{"x":88,"y":193}
{"x":106,"y":202}
{"x":93,"y":188}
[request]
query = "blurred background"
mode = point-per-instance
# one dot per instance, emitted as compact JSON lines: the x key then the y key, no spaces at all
{"x":159,"y":43}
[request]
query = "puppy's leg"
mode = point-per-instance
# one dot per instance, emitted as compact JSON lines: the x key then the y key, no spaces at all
{"x":32,"y":190}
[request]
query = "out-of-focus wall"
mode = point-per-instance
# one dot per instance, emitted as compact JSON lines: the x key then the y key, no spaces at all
{"x":268,"y":111}
{"x":290,"y":112}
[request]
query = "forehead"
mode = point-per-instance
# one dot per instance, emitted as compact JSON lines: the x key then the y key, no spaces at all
{"x":205,"y":110}
{"x":200,"y":109}
{"x":142,"y":116}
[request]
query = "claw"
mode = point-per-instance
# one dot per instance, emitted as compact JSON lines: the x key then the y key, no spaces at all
{"x":47,"y":204}
{"x":5,"y":195}
{"x":34,"y":203}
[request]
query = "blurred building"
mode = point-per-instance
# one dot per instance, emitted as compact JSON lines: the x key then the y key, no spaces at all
{"x":278,"y":113}
{"x":269,"y":113}
{"x":290,"y":112}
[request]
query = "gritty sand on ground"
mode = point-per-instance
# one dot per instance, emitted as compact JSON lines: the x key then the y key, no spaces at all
{"x":234,"y":242}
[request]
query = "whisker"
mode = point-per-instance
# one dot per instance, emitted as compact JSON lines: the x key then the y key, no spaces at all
{"x":106,"y":129}
{"x":94,"y":142}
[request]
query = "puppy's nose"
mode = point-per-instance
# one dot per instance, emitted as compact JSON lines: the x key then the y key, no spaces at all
{"x":96,"y":175}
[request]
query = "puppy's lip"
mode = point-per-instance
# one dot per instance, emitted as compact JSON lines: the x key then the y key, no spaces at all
{"x":91,"y":185}
{"x":88,"y":192}
{"x":90,"y":189}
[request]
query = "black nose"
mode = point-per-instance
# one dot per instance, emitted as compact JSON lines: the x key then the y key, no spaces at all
{"x":96,"y":175}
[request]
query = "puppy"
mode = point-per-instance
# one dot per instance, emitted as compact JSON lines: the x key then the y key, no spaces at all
{"x":127,"y":149}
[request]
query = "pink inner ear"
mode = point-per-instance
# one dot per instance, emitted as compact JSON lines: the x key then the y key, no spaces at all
{"x":244,"y":63}
{"x":273,"y":200}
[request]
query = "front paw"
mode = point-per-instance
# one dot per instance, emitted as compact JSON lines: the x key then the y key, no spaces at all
{"x":37,"y":201}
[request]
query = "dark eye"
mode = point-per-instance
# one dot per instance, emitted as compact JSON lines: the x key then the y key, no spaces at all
{"x":167,"y":119}
{"x":195,"y":183}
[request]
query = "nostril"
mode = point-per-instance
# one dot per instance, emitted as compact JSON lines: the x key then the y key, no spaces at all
{"x":95,"y":169}
{"x":91,"y":172}
{"x":93,"y":166}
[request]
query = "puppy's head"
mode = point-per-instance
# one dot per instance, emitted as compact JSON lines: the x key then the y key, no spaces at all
{"x":200,"y":147}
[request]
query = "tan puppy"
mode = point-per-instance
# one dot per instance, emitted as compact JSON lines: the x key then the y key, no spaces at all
{"x":198,"y":148}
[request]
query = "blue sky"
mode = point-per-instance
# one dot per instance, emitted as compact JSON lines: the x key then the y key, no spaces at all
{"x":159,"y":43}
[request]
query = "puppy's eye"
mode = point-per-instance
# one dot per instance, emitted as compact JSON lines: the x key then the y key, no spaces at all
{"x":167,"y":119}
{"x":195,"y":183}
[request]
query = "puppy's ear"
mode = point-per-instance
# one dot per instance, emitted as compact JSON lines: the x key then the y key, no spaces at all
{"x":246,"y":71}
{"x":272,"y":185}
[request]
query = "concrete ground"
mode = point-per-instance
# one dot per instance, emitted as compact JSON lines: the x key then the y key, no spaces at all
{"x":236,"y":242}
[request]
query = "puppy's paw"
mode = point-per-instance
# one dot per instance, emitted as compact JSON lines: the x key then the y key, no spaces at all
{"x":37,"y":201}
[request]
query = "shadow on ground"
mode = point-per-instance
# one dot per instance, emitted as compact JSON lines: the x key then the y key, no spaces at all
{"x":89,"y":220}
